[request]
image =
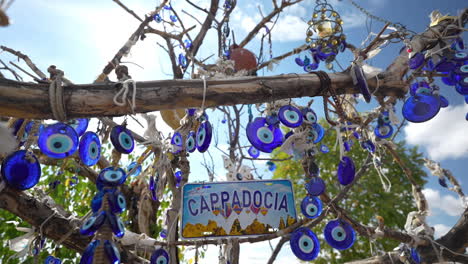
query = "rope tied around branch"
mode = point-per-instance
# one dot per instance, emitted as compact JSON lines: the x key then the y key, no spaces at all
{"x":56,"y":94}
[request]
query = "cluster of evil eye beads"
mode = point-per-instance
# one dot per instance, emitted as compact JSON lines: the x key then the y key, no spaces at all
{"x":200,"y":140}
{"x":425,"y":100}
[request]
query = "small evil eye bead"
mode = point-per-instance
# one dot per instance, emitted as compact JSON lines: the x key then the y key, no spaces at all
{"x":318,"y":132}
{"x":383,"y":131}
{"x":204,"y":135}
{"x":117,"y":202}
{"x":159,"y":256}
{"x":271,"y":165}
{"x":309,"y":115}
{"x":93,"y":223}
{"x":415,"y":256}
{"x":290,"y":133}
{"x":339,"y":234}
{"x":299,"y":62}
{"x":460,"y":72}
{"x":311,"y":206}
{"x":135,"y":167}
{"x":88,"y":254}
{"x":153,"y":185}
{"x":111,"y":177}
{"x":113,"y":254}
{"x":122,"y":139}
{"x":311,"y":67}
{"x":315,"y":186}
{"x":324,"y":148}
{"x":58,"y":141}
{"x":187,"y":44}
{"x":273,"y":119}
{"x":182,"y":61}
{"x":262,"y":136}
{"x":290,"y":116}
{"x":342,"y":46}
{"x":96,"y":202}
{"x":416,"y":61}
{"x":304,"y":244}
{"x":21,"y":170}
{"x":173,"y":18}
{"x":176,"y":142}
{"x":253,"y":152}
{"x":421,"y":108}
{"x":89,"y":148}
{"x":368,"y":145}
{"x":116,"y":224}
{"x":51,"y":260}
{"x":157,"y":18}
{"x":190,"y":143}
{"x":346,"y":171}
{"x":80,"y":125}
{"x":306,"y":61}
{"x":384,"y":118}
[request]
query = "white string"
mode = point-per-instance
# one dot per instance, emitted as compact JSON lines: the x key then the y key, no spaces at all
{"x":204,"y":93}
{"x":382,"y":176}
{"x":378,"y":84}
{"x":123,"y":92}
{"x":47,"y":219}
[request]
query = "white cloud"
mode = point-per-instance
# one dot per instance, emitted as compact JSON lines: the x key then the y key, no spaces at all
{"x":440,"y":230}
{"x":289,"y":28}
{"x":444,"y":136}
{"x":446,"y":203}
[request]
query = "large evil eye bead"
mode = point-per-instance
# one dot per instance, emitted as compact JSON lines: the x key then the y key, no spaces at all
{"x":460,"y":72}
{"x":204,"y":134}
{"x":159,"y":256}
{"x":112,"y":252}
{"x":93,"y":223}
{"x":190,"y":143}
{"x":290,"y":116}
{"x":339,"y":234}
{"x":58,"y":141}
{"x":116,"y":224}
{"x":253,"y":152}
{"x":21,"y":170}
{"x":315,"y":187}
{"x":346,"y":171}
{"x":117,"y":202}
{"x":311,"y":207}
{"x":111,"y":177}
{"x":421,"y":108}
{"x":304,"y":244}
{"x":122,"y":139}
{"x":309,"y":115}
{"x":361,"y":83}
{"x":262,"y":136}
{"x":80,"y":125}
{"x":89,"y":148}
{"x":383,"y":131}
{"x":88,"y":254}
{"x":318,"y":133}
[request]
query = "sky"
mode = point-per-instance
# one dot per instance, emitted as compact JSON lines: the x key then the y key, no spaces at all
{"x":80,"y":37}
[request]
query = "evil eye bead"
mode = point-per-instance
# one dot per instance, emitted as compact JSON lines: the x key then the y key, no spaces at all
{"x":362,"y":83}
{"x":173,"y":18}
{"x":443,"y":183}
{"x":460,"y":56}
{"x":159,"y":256}
{"x":309,"y":115}
{"x":461,"y":71}
{"x":311,"y":67}
{"x":318,"y":132}
{"x":315,"y":187}
{"x":311,"y":207}
{"x":117,"y":202}
{"x":444,"y":66}
{"x":290,"y":116}
{"x":153,"y":184}
{"x":21,"y":170}
{"x":299,"y":62}
{"x":421,"y":108}
{"x":92,"y":224}
{"x":368,"y":145}
{"x":157,"y":18}
{"x":111,"y":177}
{"x":204,"y":134}
{"x":346,"y":171}
{"x":190,"y":143}
{"x":58,"y":141}
{"x":272,"y":119}
{"x":383,"y":131}
{"x":88,"y":254}
{"x":96,"y":202}
{"x":304,"y":244}
{"x":80,"y":125}
{"x":89,"y":149}
{"x":415,"y":256}
{"x":385,"y":118}
{"x":262,"y":136}
{"x":416,"y":61}
{"x":324,"y":148}
{"x":182,"y":61}
{"x":339,"y":234}
{"x":135,"y":167}
{"x":443,"y":101}
{"x":176,"y":142}
{"x":112,"y":252}
{"x":52,"y":260}
{"x":116,"y":224}
{"x":462,"y":86}
{"x":122,"y":139}
{"x":253,"y":152}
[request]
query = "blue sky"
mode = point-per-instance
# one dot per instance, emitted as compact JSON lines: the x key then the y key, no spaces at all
{"x":80,"y":37}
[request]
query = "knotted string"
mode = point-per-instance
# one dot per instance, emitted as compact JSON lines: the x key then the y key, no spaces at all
{"x":123,"y":92}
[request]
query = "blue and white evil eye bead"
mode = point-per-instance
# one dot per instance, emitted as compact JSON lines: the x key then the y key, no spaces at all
{"x":52,"y":260}
{"x":157,"y":18}
{"x":311,"y":206}
{"x":96,"y":202}
{"x":89,"y":149}
{"x":304,"y":244}
{"x":183,"y":61}
{"x":290,"y":116}
{"x":346,"y":171}
{"x":93,"y":223}
{"x":315,"y":187}
{"x":176,"y":142}
{"x":318,"y":132}
{"x":153,"y":185}
{"x":135,"y":167}
{"x":88,"y":254}
{"x":309,"y":115}
{"x":311,"y":67}
{"x":112,"y":252}
{"x":173,"y":18}
{"x":262,"y":136}
{"x":116,"y":224}
{"x":159,"y":256}
{"x":384,"y":118}
{"x":21,"y":170}
{"x":415,"y":256}
{"x":111,"y":177}
{"x":299,"y":61}
{"x":420,"y":108}
{"x":122,"y":139}
{"x":58,"y":141}
{"x":420,"y":88}
{"x":462,"y":86}
{"x":339,"y":234}
{"x":368,"y":145}
{"x":204,"y":134}
{"x":461,"y":71}
{"x":117,"y":201}
{"x":383,"y":131}
{"x":272,"y":119}
{"x":460,"y":56}
{"x":190,"y":143}
{"x":416,"y":61}
{"x":80,"y":125}
{"x":253,"y":152}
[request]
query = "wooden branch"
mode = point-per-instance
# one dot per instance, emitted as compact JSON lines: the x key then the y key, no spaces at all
{"x":26,"y":59}
{"x":277,"y":250}
{"x":282,"y":56}
{"x":128,"y":10}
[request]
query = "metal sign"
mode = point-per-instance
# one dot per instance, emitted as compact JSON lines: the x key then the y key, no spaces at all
{"x":241,"y":208}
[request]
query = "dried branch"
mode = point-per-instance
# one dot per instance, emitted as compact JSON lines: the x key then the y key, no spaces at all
{"x":27,"y":60}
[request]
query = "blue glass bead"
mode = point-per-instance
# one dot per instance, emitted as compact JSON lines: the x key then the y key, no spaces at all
{"x":93,"y":223}
{"x":421,"y":108}
{"x":290,"y":133}
{"x":112,"y":252}
{"x":458,"y":44}
{"x":443,"y":183}
{"x":159,"y":256}
{"x":178,"y":176}
{"x":311,"y":206}
{"x":153,"y":185}
{"x":271,"y":165}
{"x":21,"y":170}
{"x":253,"y":152}
{"x":346,"y":171}
{"x":466,"y":117}
{"x":191,"y":111}
{"x":80,"y":125}
{"x":416,"y":61}
{"x":190,"y":143}
{"x":356,"y":135}
{"x":89,"y":149}
{"x":17,"y":125}
{"x":362,"y":83}
{"x":306,"y":61}
{"x":346,"y":146}
{"x":449,"y":79}
{"x":309,"y":115}
{"x":227,"y":4}
{"x":173,"y":18}
{"x":304,"y":244}
{"x":122,"y":139}
{"x":342,"y":46}
{"x":163,"y":234}
{"x":167,"y":7}
{"x":117,"y":201}
{"x":315,"y":187}
{"x":182,"y":61}
{"x":462,"y":86}
{"x":311,"y":67}
{"x":96,"y":202}
{"x":460,"y":56}
{"x":116,"y":224}
{"x":443,"y":101}
{"x":58,"y":141}
{"x":52,"y":260}
{"x":224,"y":121}
{"x":444,"y":66}
{"x":272,"y":119}
{"x":188,"y":43}
{"x":421,"y":88}
{"x":368,"y":145}
{"x":111,"y":177}
{"x":324,"y":148}
{"x":176,"y":142}
{"x":299,"y":62}
{"x":383,"y":131}
{"x":415,"y":256}
{"x":339,"y":234}
{"x":136,"y":172}
{"x":290,"y":116}
{"x":204,"y":134}
{"x":318,"y":132}
{"x":88,"y":254}
{"x":262,"y":136}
